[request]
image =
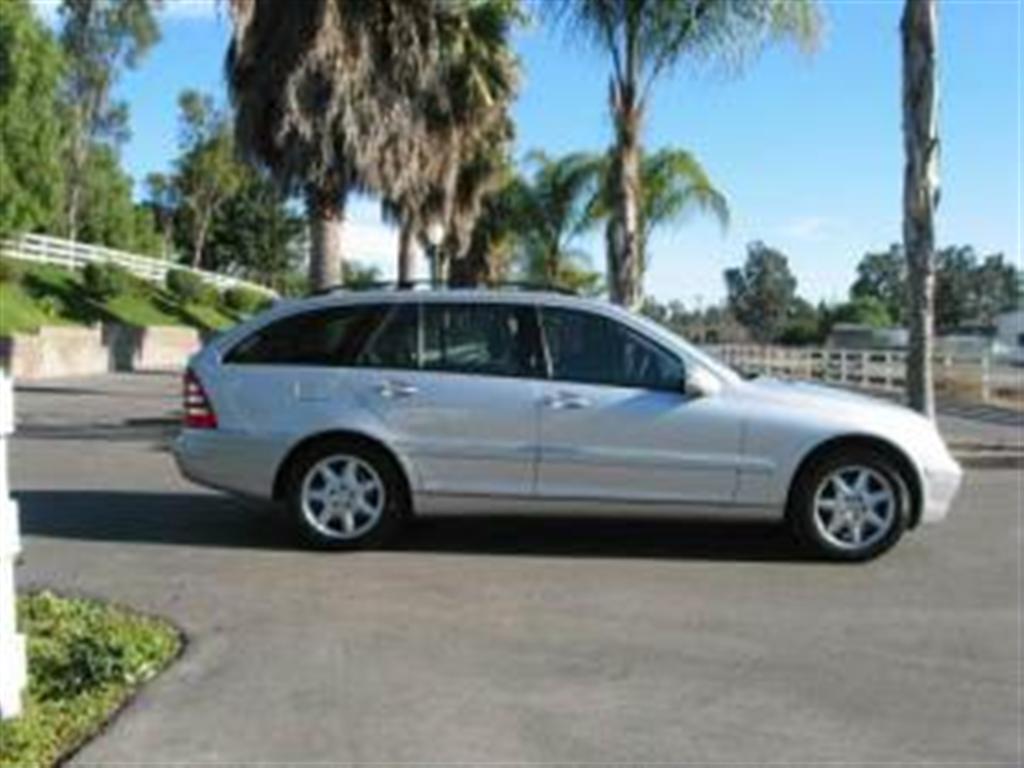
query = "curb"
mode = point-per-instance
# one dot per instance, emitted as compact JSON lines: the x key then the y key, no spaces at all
{"x":990,"y":459}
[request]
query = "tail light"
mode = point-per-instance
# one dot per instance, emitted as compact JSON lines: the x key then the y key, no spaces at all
{"x":198,"y":411}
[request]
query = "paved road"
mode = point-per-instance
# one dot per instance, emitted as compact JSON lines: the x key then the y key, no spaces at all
{"x":506,"y":640}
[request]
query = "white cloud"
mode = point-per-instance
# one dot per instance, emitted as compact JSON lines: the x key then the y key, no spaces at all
{"x":371,"y":244}
{"x":48,"y":10}
{"x":193,"y":9}
{"x":812,"y":229}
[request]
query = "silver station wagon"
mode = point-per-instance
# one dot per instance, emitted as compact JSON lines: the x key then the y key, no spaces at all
{"x":358,"y":409}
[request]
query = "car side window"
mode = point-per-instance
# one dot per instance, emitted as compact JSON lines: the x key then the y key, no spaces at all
{"x":592,"y":349}
{"x":325,"y":337}
{"x":395,"y":344}
{"x":483,"y":339}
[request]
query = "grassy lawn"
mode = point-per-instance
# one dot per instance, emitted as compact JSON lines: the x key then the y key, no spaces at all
{"x":46,"y":295}
{"x":85,"y":661}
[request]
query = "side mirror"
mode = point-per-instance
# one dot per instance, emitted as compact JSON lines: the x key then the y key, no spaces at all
{"x":700,"y":383}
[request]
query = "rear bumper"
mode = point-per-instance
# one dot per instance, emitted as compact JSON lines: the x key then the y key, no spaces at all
{"x":226,"y":461}
{"x":941,"y":485}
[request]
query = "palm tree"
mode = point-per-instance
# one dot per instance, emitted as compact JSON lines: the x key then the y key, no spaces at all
{"x":645,"y":39}
{"x":472,"y":128}
{"x":552,"y":210}
{"x":673,"y":185}
{"x":919,"y":32}
{"x":330,"y":95}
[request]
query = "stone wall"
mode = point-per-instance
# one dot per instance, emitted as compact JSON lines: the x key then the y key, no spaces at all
{"x":56,"y":351}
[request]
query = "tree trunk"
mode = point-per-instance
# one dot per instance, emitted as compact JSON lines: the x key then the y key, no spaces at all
{"x":625,"y":277}
{"x":440,"y":264}
{"x":199,"y":242}
{"x":470,"y":271}
{"x":78,"y":161}
{"x":325,"y":209}
{"x":75,"y":181}
{"x":920,"y":191}
{"x":405,"y":254}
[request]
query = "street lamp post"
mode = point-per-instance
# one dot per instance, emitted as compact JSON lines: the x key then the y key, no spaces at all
{"x":435,"y":236}
{"x":12,"y":645}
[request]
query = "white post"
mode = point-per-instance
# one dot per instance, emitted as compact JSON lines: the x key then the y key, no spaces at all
{"x":12,"y":645}
{"x":986,"y":376}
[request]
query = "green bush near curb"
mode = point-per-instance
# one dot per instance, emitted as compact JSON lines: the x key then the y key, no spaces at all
{"x":86,"y":659}
{"x":49,"y":295}
{"x":10,"y":271}
{"x":106,"y":281}
{"x":245,"y":301}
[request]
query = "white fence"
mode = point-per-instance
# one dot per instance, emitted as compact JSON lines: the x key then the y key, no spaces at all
{"x":975,"y":377}
{"x":12,"y":644}
{"x":66,"y":253}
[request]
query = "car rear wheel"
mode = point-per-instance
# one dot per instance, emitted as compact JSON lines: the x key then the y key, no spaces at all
{"x":851,"y":505}
{"x":344,"y":496}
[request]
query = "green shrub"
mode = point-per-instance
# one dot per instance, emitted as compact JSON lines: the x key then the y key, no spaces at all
{"x":209,"y":296}
{"x":105,"y":281}
{"x":186,"y":286}
{"x":51,"y":306}
{"x":292,"y":284}
{"x":11,"y":271}
{"x":245,"y":300}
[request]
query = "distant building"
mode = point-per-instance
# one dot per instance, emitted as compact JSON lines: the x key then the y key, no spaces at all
{"x":859,"y":336}
{"x":1010,"y":336}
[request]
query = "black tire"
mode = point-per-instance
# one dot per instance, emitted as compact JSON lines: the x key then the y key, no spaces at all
{"x":393,"y":508}
{"x":801,"y":511}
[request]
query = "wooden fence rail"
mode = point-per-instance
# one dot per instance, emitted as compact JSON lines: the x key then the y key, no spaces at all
{"x":874,"y":369}
{"x":44,"y":249}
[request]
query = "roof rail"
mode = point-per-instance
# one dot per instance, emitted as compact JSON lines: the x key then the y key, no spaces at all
{"x":411,"y":285}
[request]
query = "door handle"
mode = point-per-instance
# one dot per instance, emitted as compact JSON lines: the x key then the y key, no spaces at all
{"x":394,"y":390}
{"x":566,"y":401}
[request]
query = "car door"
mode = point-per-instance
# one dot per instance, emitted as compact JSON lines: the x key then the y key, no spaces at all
{"x":294,"y":375}
{"x":617,"y":425}
{"x":457,"y":385}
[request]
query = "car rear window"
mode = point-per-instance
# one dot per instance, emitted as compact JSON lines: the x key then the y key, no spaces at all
{"x":324,"y":337}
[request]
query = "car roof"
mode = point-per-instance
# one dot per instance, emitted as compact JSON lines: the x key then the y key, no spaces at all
{"x":452,"y":295}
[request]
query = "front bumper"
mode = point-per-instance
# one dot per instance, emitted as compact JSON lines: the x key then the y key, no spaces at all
{"x":940,"y":486}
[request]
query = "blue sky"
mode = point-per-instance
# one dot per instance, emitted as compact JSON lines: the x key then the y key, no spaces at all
{"x":807,"y":148}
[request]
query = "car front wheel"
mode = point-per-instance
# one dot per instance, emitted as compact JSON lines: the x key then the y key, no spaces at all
{"x":344,"y":496}
{"x":851,"y":505}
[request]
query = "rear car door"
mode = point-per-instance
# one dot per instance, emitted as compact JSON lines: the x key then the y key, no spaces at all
{"x":616,"y":423}
{"x":285,"y":381}
{"x":457,"y":385}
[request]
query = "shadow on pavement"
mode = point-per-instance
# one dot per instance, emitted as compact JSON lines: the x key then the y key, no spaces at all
{"x":151,"y":518}
{"x":580,"y":536}
{"x":222,"y":521}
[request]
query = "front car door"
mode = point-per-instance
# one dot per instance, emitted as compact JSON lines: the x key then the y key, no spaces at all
{"x":616,"y":424}
{"x":457,"y":385}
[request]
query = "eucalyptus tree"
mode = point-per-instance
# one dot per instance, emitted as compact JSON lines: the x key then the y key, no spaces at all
{"x":207,"y":173}
{"x":98,"y":38}
{"x":761,"y":293}
{"x":645,"y":40}
{"x":673,"y":186}
{"x":163,"y":200}
{"x":919,"y":37}
{"x":31,"y":172}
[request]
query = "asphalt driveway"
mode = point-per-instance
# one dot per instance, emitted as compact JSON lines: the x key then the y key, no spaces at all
{"x":504,"y":640}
